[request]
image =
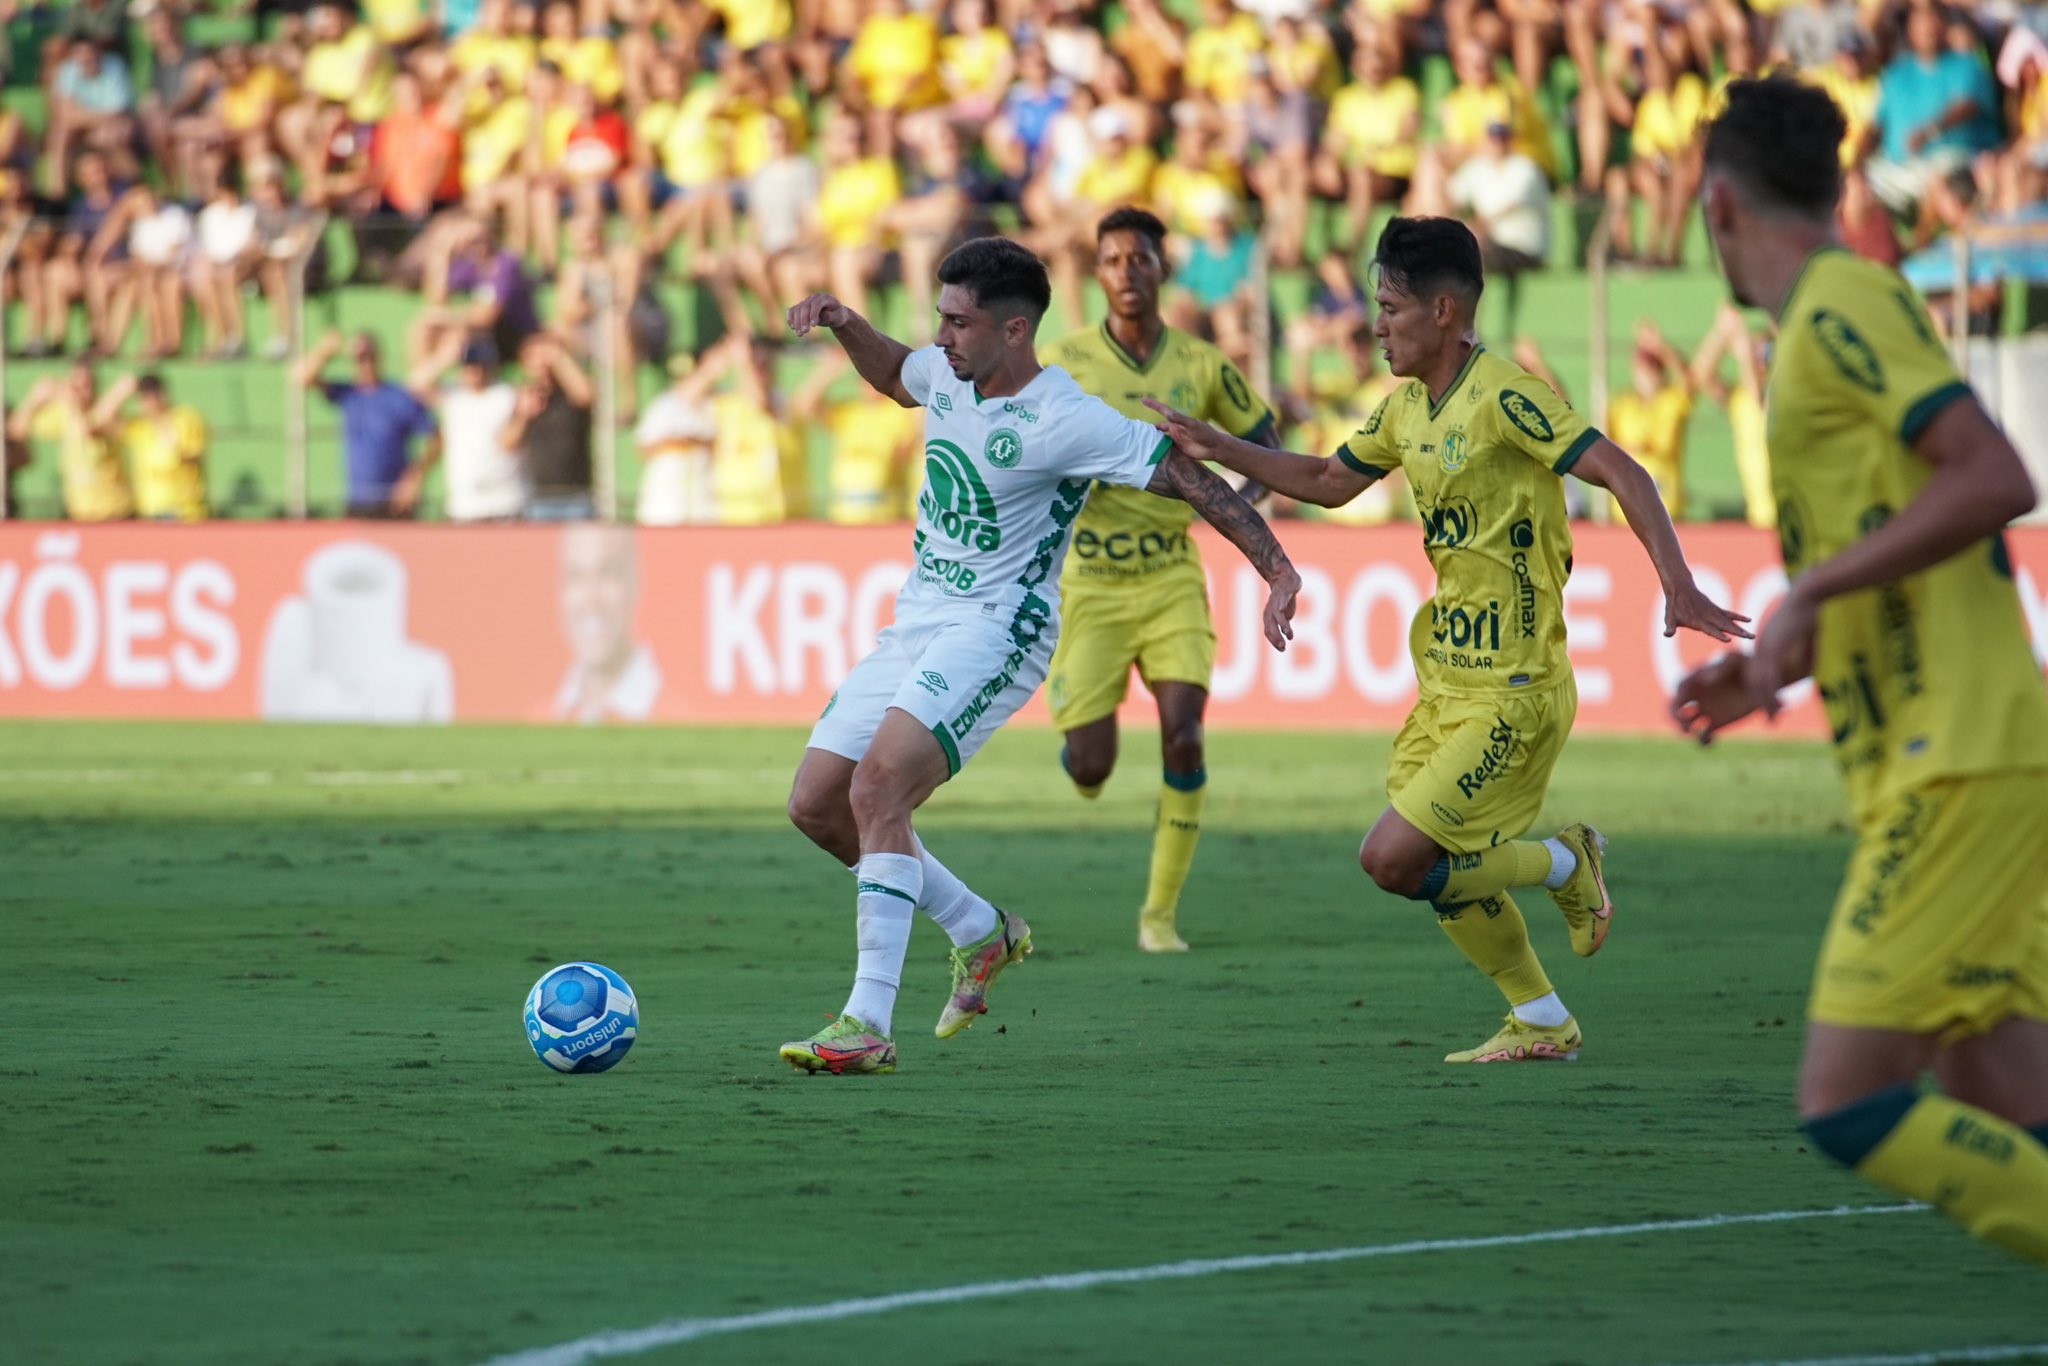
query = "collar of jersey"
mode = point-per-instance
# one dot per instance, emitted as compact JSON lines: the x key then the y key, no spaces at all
{"x":1806,"y":269}
{"x":981,"y":398}
{"x":1117,"y":348}
{"x":1463,"y":370}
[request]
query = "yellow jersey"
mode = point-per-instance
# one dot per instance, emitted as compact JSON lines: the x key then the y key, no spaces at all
{"x":896,"y":61}
{"x":1666,"y":120}
{"x":1378,"y":123}
{"x":1653,"y":430}
{"x":1339,"y":406}
{"x":1219,"y":60}
{"x":1129,"y":535}
{"x":757,"y":464}
{"x":167,"y":460}
{"x":1486,"y":467}
{"x":688,"y":138}
{"x":873,"y":441}
{"x":753,"y":23}
{"x":853,"y":198}
{"x":1930,"y":676}
{"x":1465,"y":113}
{"x":588,"y":61}
{"x":95,"y":485}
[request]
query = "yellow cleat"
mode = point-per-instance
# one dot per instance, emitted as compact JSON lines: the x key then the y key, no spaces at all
{"x":1519,"y":1042}
{"x":1156,"y":933}
{"x":1588,"y":910}
{"x":975,"y":968}
{"x":845,"y":1046}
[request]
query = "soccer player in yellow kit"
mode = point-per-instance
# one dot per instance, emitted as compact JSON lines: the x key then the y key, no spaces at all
{"x":1485,"y":446}
{"x":1133,"y":585}
{"x":1893,"y":491}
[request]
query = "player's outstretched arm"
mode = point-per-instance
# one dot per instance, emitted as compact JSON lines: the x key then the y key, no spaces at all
{"x":1612,"y":468}
{"x":1179,"y":477}
{"x":879,"y":358}
{"x":1978,"y":486}
{"x":1304,"y":478}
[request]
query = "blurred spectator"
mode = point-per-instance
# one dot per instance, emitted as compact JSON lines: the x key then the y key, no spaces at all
{"x":1506,"y":199}
{"x":757,"y":455}
{"x":1730,"y":338}
{"x":182,"y":80}
{"x":283,"y":231}
{"x":1850,"y":78}
{"x":674,"y":438}
{"x":67,"y":411}
{"x":1865,"y":224}
{"x":1337,"y":308}
{"x":380,"y":423}
{"x":471,"y":286}
{"x":1018,"y":141}
{"x":2019,"y":173}
{"x":1650,"y":419}
{"x":781,"y":220}
{"x":677,"y":157}
{"x":1368,"y":150}
{"x":875,"y":445}
{"x":1811,"y":32}
{"x":1483,"y":99}
{"x":1220,"y":52}
{"x":894,"y":63}
{"x":1276,"y":142}
{"x":1663,"y":169}
{"x":551,"y":429}
{"x":159,"y":235}
{"x":166,"y":446}
{"x":414,"y":171}
{"x":1328,"y":408}
{"x":92,"y":104}
{"x":845,"y":253}
{"x":976,"y":63}
{"x":1937,"y":109}
{"x":228,"y":257}
{"x":484,"y":477}
{"x":946,"y":201}
{"x":1214,"y":283}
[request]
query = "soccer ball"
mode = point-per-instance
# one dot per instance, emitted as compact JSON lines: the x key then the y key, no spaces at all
{"x":581,"y":1017}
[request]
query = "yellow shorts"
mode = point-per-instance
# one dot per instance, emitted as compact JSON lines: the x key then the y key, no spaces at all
{"x":1163,"y":628}
{"x":1470,"y":772}
{"x":1942,"y":923}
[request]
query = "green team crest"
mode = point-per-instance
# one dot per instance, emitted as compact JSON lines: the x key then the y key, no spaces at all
{"x":1004,"y":449}
{"x":1454,"y":451}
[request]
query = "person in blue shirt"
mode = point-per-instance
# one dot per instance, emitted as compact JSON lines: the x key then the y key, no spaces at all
{"x":1937,"y":110}
{"x":380,"y":421}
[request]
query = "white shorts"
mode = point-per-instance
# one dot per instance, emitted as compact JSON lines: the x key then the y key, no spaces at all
{"x":962,"y":676}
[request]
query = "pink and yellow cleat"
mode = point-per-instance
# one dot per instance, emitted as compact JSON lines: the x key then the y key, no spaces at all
{"x":975,"y":969}
{"x":1520,"y":1042}
{"x":846,"y":1045}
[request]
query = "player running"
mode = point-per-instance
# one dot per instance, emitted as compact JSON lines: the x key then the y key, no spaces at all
{"x":1894,"y":488}
{"x":1010,"y":448}
{"x":1485,"y":445}
{"x":1133,"y":588}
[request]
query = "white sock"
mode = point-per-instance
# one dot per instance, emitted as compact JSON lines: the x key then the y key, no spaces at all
{"x":1563,"y":863}
{"x":1545,"y":1012}
{"x":889,"y":886}
{"x":954,"y":907}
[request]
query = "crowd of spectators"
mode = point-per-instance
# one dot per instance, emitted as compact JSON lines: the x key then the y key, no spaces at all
{"x":529,"y":170}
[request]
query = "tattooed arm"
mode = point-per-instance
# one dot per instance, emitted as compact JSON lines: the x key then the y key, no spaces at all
{"x":1179,"y":477}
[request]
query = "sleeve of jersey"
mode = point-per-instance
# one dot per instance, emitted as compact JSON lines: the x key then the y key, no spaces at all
{"x":1878,"y":352}
{"x":919,"y":374}
{"x":1367,"y":451}
{"x":1234,"y":407}
{"x":1542,"y":426}
{"x":1112,"y":448}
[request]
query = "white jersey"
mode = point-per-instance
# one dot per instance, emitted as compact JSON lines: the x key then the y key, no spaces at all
{"x":1004,"y":479}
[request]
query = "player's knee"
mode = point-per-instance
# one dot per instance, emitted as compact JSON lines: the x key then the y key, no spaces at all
{"x":1390,"y":871}
{"x":1181,"y":748}
{"x":817,"y":814}
{"x":877,"y":792}
{"x":1088,"y":765}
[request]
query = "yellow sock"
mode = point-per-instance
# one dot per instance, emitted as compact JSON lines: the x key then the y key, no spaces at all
{"x":1174,"y":837}
{"x":1459,"y":878}
{"x":1985,"y":1174}
{"x":1492,"y":934}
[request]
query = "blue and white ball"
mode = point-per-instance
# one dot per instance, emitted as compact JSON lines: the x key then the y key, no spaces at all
{"x":581,"y":1017}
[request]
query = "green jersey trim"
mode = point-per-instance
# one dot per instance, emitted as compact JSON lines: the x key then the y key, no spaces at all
{"x":952,"y":750}
{"x":1159,"y":451}
{"x":1928,"y":408}
{"x":879,"y":890}
{"x":1578,"y":448}
{"x":1132,"y":362}
{"x":1805,"y":269}
{"x":1259,"y":434}
{"x":1343,"y":453}
{"x":1437,"y":405}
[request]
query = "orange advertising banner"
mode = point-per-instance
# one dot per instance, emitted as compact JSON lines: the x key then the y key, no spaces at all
{"x":397,"y":624}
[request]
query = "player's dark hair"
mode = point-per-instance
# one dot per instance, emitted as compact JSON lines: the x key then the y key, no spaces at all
{"x":1133,"y":220}
{"x":1004,"y":277}
{"x":1780,"y":140}
{"x":1422,"y":257}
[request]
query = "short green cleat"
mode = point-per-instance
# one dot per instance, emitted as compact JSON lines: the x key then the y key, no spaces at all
{"x":846,"y":1045}
{"x":975,"y":969}
{"x":1520,"y":1042}
{"x":1588,"y":910}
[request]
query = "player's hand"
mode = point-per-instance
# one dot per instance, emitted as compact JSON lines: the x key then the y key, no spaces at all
{"x":1715,"y":696}
{"x":1688,"y":607}
{"x":819,"y":310}
{"x":1194,"y":439}
{"x":1280,"y":596}
{"x":1784,"y":651}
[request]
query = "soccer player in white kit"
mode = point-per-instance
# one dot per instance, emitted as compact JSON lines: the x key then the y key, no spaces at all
{"x":1010,"y":450}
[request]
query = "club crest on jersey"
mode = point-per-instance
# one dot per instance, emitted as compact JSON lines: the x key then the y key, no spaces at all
{"x":1454,"y":452}
{"x":1004,"y":449}
{"x":1182,"y":396}
{"x":1847,"y":349}
{"x":1526,"y":415}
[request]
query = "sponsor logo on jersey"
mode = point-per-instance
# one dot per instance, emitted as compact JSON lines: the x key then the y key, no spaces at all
{"x":1123,"y":546}
{"x":1845,"y":346}
{"x":1005,"y":448}
{"x":1450,"y":524}
{"x":1500,"y":748}
{"x":1022,"y":414}
{"x":1524,"y":413}
{"x":1465,"y":628}
{"x":1234,"y":387}
{"x":1455,"y":450}
{"x":1446,"y":815}
{"x":1521,"y":536}
{"x":955,"y":500}
{"x":1979,"y":975}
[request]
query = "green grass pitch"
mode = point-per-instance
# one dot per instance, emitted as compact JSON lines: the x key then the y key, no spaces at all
{"x":264,"y":1096}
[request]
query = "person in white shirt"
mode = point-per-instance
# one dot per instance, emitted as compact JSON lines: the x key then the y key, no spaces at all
{"x":674,"y":436}
{"x":227,"y":258}
{"x":1011,"y":449}
{"x":1505,"y":198}
{"x":483,"y":477}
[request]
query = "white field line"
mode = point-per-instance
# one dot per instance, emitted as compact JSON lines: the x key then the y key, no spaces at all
{"x":397,"y":777}
{"x":2036,"y":1352}
{"x":632,"y":1342}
